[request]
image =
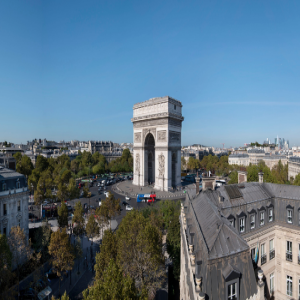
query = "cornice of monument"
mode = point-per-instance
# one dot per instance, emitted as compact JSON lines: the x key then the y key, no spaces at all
{"x":157,"y":100}
{"x":158,"y":116}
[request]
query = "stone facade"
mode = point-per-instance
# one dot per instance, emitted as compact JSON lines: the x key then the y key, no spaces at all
{"x":157,"y":143}
{"x":294,"y":167}
{"x":14,"y":196}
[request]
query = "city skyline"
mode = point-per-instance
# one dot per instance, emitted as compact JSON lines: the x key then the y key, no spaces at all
{"x":74,"y":72}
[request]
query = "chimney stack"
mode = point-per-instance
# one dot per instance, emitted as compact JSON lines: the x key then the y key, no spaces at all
{"x":242,"y":176}
{"x":260,"y":177}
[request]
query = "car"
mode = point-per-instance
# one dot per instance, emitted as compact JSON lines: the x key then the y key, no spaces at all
{"x":51,"y":274}
{"x":128,"y":207}
{"x":32,"y":216}
{"x":98,"y":184}
{"x":127,"y":198}
{"x":99,"y":192}
{"x":125,"y":203}
{"x":106,"y":194}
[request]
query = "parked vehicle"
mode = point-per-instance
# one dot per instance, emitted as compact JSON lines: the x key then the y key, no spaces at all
{"x":125,"y":203}
{"x":106,"y":194}
{"x":51,"y":274}
{"x":127,"y":198}
{"x":100,"y":201}
{"x":128,"y":207}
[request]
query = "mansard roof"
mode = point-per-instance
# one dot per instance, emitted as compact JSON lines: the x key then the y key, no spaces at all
{"x":220,"y":238}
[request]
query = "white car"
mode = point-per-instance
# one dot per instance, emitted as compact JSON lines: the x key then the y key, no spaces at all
{"x":127,"y":198}
{"x":100,"y":202}
{"x":98,"y":184}
{"x":106,"y":194}
{"x":128,"y":207}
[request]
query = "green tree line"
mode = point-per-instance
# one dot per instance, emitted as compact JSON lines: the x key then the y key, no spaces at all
{"x":60,"y":173}
{"x":278,"y":174}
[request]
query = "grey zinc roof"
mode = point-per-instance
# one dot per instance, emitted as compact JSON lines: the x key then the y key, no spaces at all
{"x":283,"y":190}
{"x":220,"y":237}
{"x":251,"y":192}
{"x":8,"y":173}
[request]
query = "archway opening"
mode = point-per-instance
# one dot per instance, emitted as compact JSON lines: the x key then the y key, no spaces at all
{"x":150,"y":157}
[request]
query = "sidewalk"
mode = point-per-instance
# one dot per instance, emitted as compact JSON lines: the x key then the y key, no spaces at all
{"x":127,"y":188}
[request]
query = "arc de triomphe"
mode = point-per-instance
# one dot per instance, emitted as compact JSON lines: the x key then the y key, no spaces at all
{"x":157,"y":143}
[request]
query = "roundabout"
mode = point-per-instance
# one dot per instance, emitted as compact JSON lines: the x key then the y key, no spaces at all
{"x":126,"y":188}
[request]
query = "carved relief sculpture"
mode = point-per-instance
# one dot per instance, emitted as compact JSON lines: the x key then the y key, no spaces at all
{"x":161,"y":165}
{"x":137,"y":163}
{"x":162,"y":136}
{"x":137,"y":137}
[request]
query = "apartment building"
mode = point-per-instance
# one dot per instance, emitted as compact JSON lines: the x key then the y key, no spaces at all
{"x":223,"y":229}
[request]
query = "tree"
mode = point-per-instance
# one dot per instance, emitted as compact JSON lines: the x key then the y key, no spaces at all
{"x":41,"y":164}
{"x":233,"y":177}
{"x":25,"y":166}
{"x":115,"y":285}
{"x":108,"y":251}
{"x":78,"y":219}
{"x":33,"y":180}
{"x":73,"y":190}
{"x":5,"y":261}
{"x":78,"y":251}
{"x":18,"y":157}
{"x":63,"y":215}
{"x":85,"y":190}
{"x":44,"y":188}
{"x":173,"y":244}
{"x":102,"y":217}
{"x":168,"y":209}
{"x":139,"y":251}
{"x":112,"y":206}
{"x":92,"y":227}
{"x":42,"y":238}
{"x":62,"y":253}
{"x":19,"y":248}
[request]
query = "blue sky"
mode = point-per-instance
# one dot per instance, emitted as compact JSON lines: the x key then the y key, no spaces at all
{"x":74,"y":69}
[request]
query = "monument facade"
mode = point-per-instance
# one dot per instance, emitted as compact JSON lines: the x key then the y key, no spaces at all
{"x":157,"y":143}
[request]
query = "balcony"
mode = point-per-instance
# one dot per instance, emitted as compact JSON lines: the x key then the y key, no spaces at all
{"x":289,"y":256}
{"x":272,"y":254}
{"x":263,"y":259}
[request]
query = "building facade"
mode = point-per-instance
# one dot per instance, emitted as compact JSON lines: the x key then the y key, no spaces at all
{"x":226,"y":227}
{"x":157,"y":143}
{"x":14,"y":196}
{"x":294,"y":167}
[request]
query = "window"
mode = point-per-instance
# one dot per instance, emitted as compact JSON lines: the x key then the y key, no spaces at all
{"x":271,"y":283}
{"x":271,"y":215}
{"x":20,"y":223}
{"x":289,"y":251}
{"x":262,"y":218}
{"x":3,"y":186}
{"x":272,"y":250}
{"x":299,"y":255}
{"x":174,"y":107}
{"x":289,"y":285}
{"x":4,"y":230}
{"x":231,"y":222}
{"x":263,"y":254}
{"x":242,"y":224}
{"x":289,"y":216}
{"x":232,"y":293}
{"x":19,"y":205}
{"x":18,"y":184}
{"x":252,"y":221}
{"x":4,"y":209}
